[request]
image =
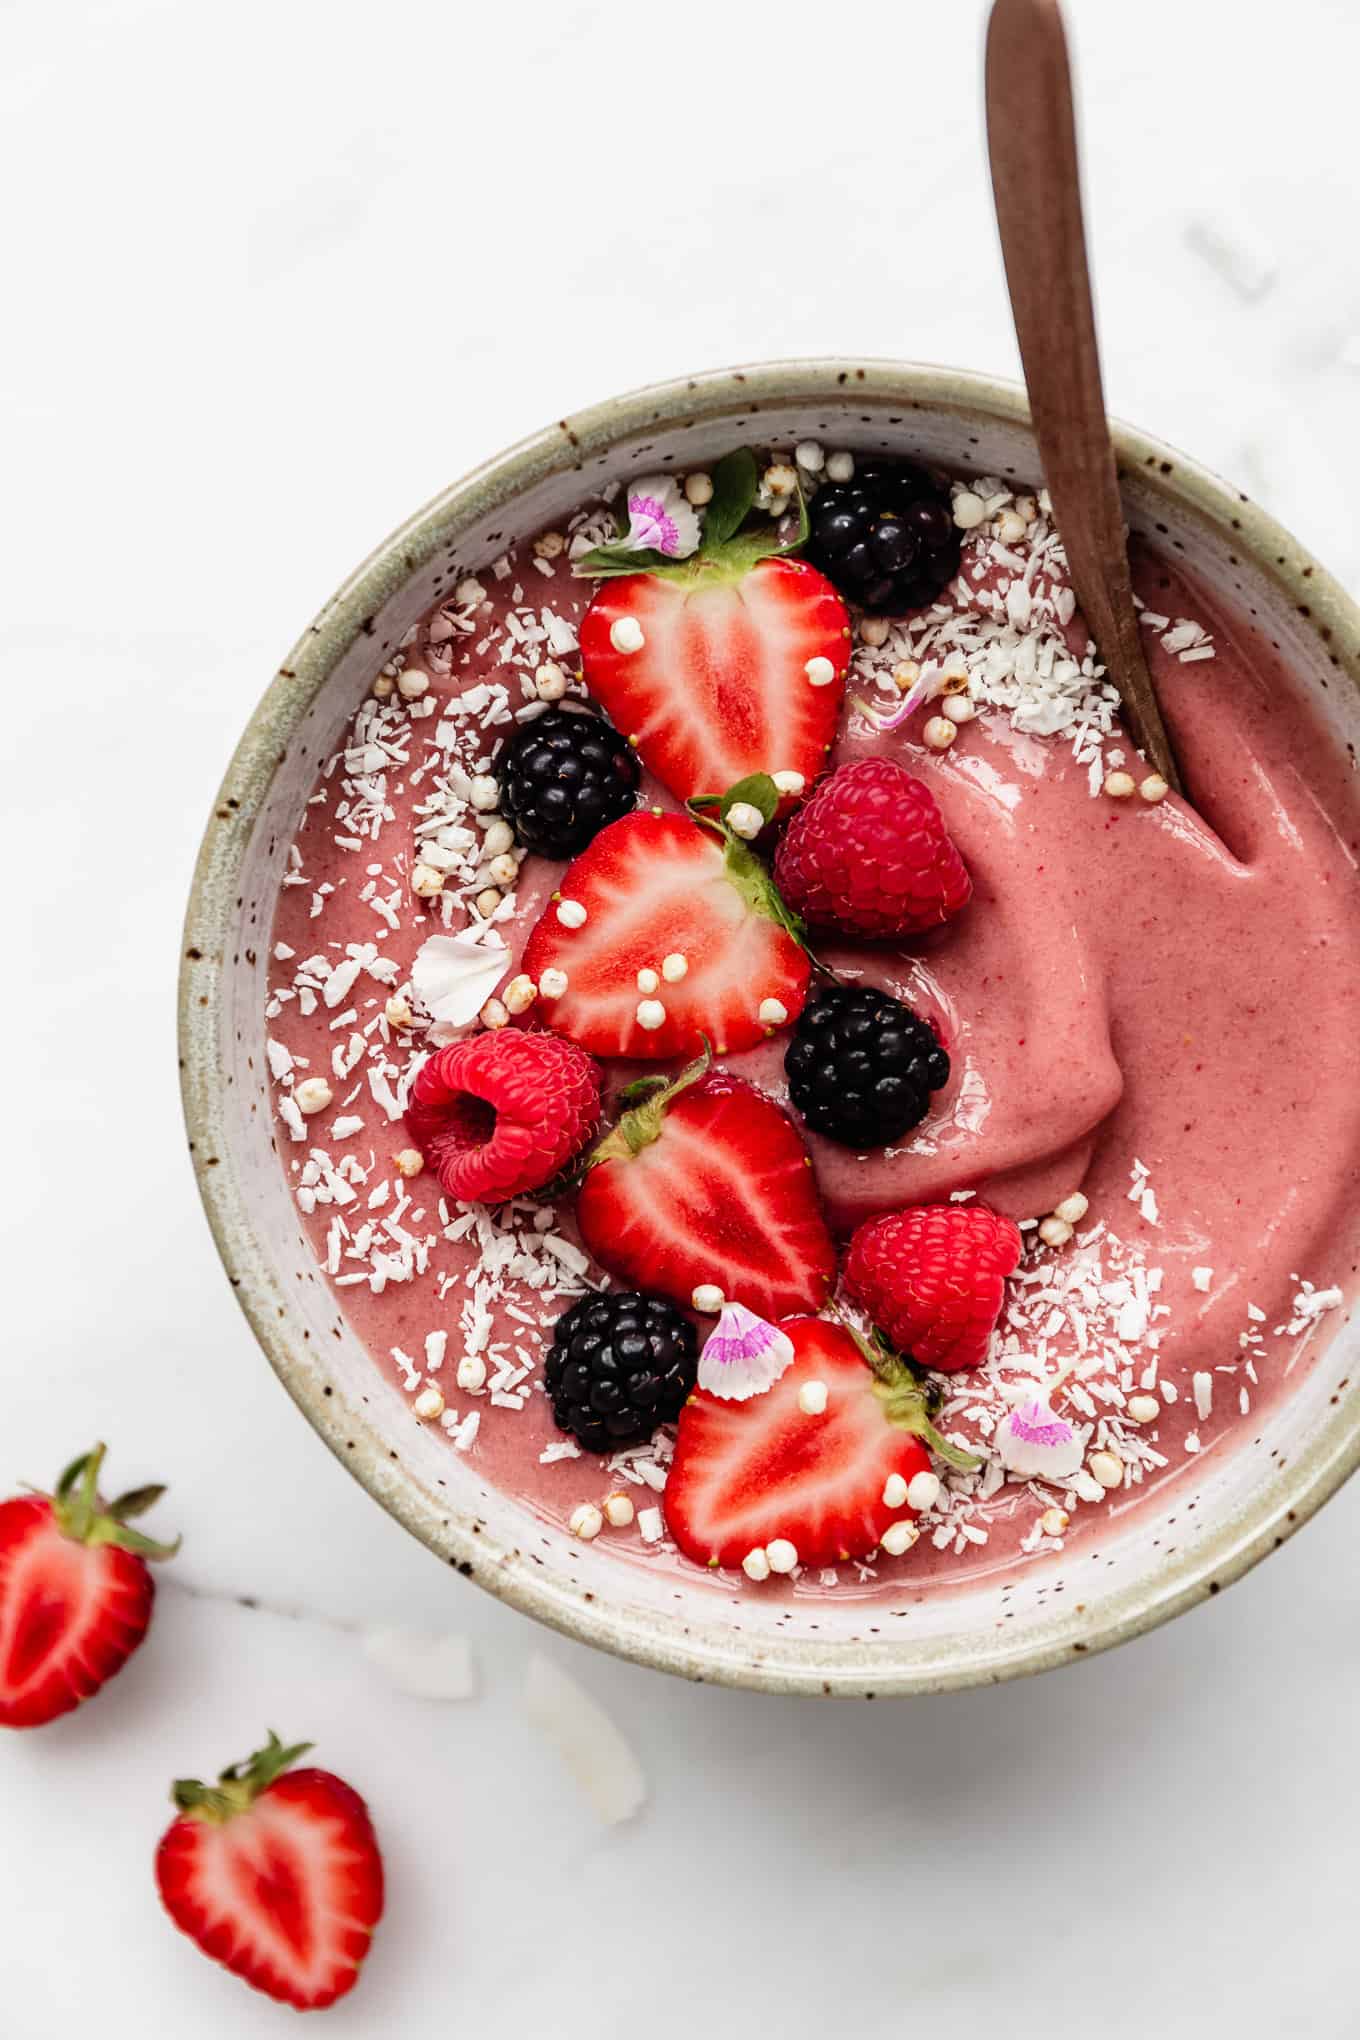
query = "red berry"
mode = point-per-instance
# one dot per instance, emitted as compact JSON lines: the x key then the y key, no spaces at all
{"x":276,"y":1874}
{"x":933,"y":1279}
{"x":869,"y":854}
{"x":75,"y":1593}
{"x":503,"y":1112}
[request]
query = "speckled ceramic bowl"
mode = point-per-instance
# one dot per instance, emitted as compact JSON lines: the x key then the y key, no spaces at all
{"x":1246,"y":1502}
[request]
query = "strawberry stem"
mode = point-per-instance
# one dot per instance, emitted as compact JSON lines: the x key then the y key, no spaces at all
{"x":638,"y":1127}
{"x":81,"y":1516}
{"x":239,"y":1785}
{"x":905,"y":1397}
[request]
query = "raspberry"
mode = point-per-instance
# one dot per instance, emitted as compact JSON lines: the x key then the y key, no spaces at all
{"x":933,"y":1279}
{"x":503,"y":1112}
{"x":870,"y":855}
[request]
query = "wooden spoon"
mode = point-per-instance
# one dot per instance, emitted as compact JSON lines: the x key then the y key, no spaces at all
{"x":1032,"y":143}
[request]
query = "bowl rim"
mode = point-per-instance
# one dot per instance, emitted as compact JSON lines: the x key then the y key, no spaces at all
{"x":880,"y":1667}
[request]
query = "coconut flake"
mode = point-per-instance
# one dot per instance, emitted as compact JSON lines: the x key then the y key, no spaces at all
{"x":743,"y":1355}
{"x":588,"y":1742}
{"x":429,"y":1665}
{"x":455,"y":975}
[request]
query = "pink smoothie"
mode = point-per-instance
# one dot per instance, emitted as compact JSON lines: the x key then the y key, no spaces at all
{"x":1150,"y":1004}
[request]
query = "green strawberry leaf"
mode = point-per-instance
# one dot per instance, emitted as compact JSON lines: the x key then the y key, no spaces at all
{"x":758,"y":790}
{"x":606,"y":562}
{"x":735,"y":481}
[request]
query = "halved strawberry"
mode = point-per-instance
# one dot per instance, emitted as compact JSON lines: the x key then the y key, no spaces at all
{"x":719,"y":687}
{"x":707,"y":1181}
{"x":684,"y":936}
{"x":75,"y":1593}
{"x":276,"y":1874}
{"x":747,"y":1475}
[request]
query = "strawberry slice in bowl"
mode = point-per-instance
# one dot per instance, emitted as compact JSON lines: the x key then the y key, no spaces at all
{"x":666,"y":931}
{"x":827,"y":1465}
{"x":705,"y":1184}
{"x":730,"y":662}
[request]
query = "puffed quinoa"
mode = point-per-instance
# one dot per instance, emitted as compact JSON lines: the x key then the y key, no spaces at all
{"x":499,"y":838}
{"x":969,"y":510}
{"x":812,"y":1397}
{"x":486,"y":793}
{"x":520,"y":993}
{"x":782,"y":1555}
{"x":674,"y":966}
{"x":1107,"y":1468}
{"x":585,"y":1521}
{"x":408,"y":1162}
{"x":503,"y":870}
{"x":312,"y":1095}
{"x":550,"y":682}
{"x":756,"y":1564}
{"x":873,"y":631}
{"x":397,"y":1012}
{"x":810,"y":456}
{"x":939,"y":733}
{"x":840,"y":467}
{"x":1054,"y":1521}
{"x":384,"y":687}
{"x":1119,"y":785}
{"x":698,"y":489}
{"x":471,"y":1374}
{"x":493,"y":1014}
{"x":549,"y":545}
{"x":899,"y":1537}
{"x":429,"y":1404}
{"x":707,"y":1299}
{"x":619,"y":1510}
{"x":487,"y":901}
{"x":1143,"y":1409}
{"x":651,"y":1014}
{"x":412,"y":683}
{"x":625,"y":634}
{"x":553,"y":983}
{"x":1055,"y":1232}
{"x":1073,"y":1209}
{"x":1153,"y":789}
{"x":426,"y":882}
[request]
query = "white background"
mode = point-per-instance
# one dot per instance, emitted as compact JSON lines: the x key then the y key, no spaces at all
{"x":273,"y":275}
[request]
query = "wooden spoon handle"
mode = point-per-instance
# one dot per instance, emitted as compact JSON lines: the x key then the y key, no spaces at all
{"x":1032,"y":143}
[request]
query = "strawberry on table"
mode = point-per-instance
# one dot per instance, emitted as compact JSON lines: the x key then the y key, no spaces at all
{"x":704,"y":1182}
{"x":76,"y":1592}
{"x":729,"y":662}
{"x":673,"y":932}
{"x":827,"y":1465}
{"x":275,"y":1873}
{"x":933,"y":1279}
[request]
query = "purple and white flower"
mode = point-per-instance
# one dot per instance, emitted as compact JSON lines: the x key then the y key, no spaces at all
{"x":743,"y":1355}
{"x":1035,"y":1443}
{"x":659,"y":518}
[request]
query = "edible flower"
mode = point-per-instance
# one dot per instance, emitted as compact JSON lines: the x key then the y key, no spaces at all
{"x":1035,"y":1443}
{"x":659,"y":519}
{"x":454,"y":976}
{"x":743,"y":1355}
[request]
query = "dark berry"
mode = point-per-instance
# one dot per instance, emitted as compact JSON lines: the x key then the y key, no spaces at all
{"x":861,"y":1066}
{"x":618,"y":1366}
{"x":563,"y":778}
{"x":886,"y":539}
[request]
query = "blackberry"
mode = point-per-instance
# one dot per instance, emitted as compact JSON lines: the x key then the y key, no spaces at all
{"x":618,"y":1366}
{"x":861,"y":1066}
{"x":886,"y":538}
{"x":563,"y":777}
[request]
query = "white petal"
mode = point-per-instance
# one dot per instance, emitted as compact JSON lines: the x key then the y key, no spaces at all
{"x":1035,"y":1443}
{"x":455,"y":975}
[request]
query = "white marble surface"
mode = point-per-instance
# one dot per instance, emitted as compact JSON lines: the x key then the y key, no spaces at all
{"x":275,"y":274}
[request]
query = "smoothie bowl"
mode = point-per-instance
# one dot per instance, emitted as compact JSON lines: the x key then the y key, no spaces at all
{"x":731,"y":1096}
